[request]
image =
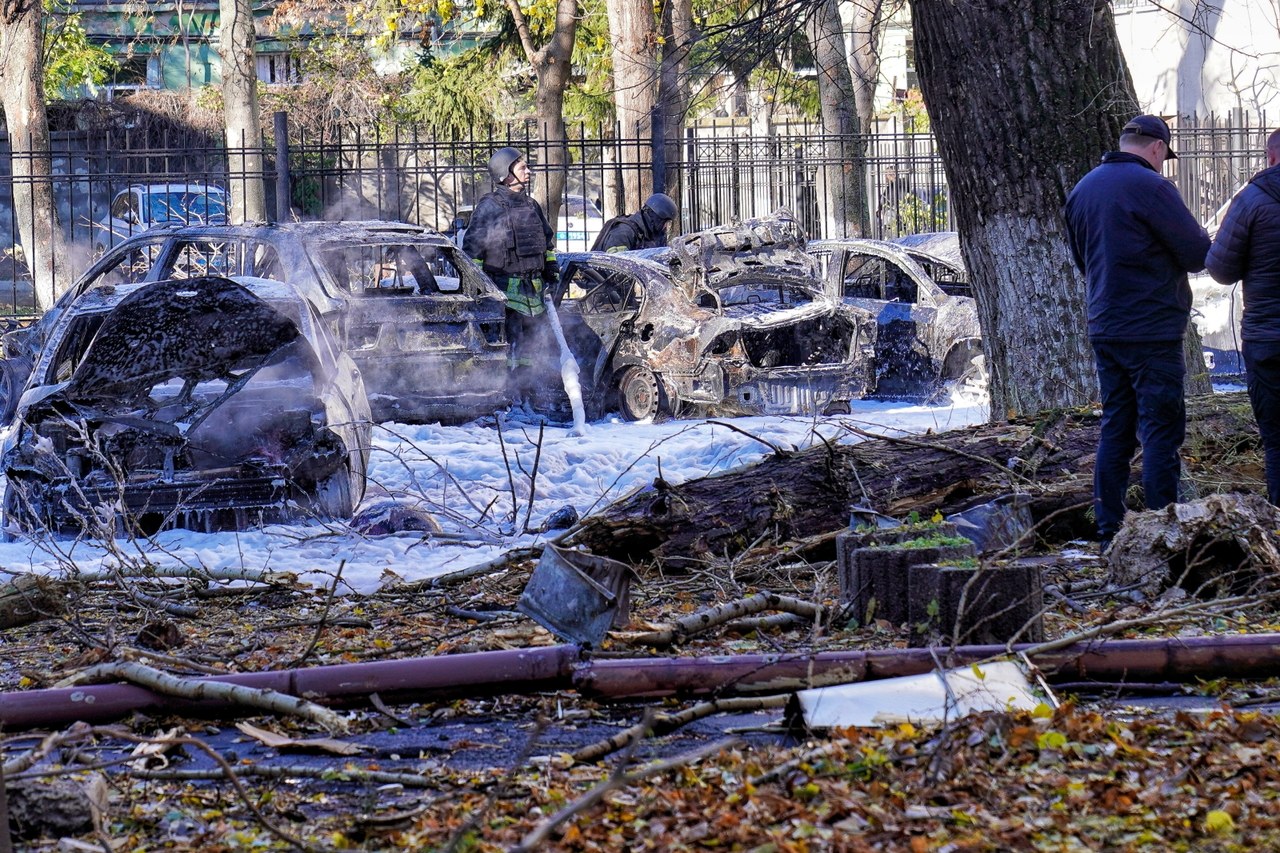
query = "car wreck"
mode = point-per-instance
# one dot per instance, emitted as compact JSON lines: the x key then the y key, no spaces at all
{"x":927,"y":333}
{"x":423,"y":324}
{"x":202,"y":403}
{"x":733,"y":319}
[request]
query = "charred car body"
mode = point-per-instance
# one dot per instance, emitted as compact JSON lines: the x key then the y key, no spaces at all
{"x":927,"y":331}
{"x":734,"y":318}
{"x":203,"y":403}
{"x":424,"y":326}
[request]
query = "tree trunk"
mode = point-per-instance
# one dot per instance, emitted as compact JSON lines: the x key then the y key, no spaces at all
{"x":843,"y":183}
{"x":794,"y":499}
{"x":551,"y":63}
{"x":635,"y":78}
{"x":673,"y":89}
{"x":866,"y":27}
{"x":22,"y":96}
{"x":240,"y":108}
{"x":1024,"y":97}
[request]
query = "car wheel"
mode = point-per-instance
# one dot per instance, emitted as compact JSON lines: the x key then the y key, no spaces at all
{"x":640,"y":394}
{"x":333,"y":496}
{"x":13,"y":376}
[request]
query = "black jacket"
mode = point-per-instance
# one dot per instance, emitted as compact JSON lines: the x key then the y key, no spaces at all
{"x":1248,"y":248}
{"x":640,"y":230}
{"x":1135,"y":241}
{"x":509,"y":235}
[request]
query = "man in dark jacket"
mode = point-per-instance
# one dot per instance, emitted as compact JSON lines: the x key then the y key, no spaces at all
{"x":644,"y":230}
{"x":1135,"y":241}
{"x":1247,"y":249}
{"x":510,"y":238}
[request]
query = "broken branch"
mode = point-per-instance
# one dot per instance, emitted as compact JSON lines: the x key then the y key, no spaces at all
{"x":667,"y":723}
{"x":540,"y":833}
{"x":202,"y":689}
{"x":704,"y":620}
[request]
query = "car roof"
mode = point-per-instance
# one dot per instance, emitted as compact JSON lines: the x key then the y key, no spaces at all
{"x":176,"y":188}
{"x":943,"y":246}
{"x":351,"y":233}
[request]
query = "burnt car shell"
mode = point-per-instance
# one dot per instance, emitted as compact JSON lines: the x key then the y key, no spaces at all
{"x":927,"y":331}
{"x":203,"y":403}
{"x":423,"y":324}
{"x":733,"y":319}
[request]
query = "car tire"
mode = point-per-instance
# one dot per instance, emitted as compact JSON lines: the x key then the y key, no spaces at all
{"x":13,"y":376}
{"x":640,"y":394}
{"x":333,"y":498}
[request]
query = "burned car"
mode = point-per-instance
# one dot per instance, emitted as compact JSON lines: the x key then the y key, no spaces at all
{"x":927,"y":331}
{"x":731,"y":319}
{"x":423,"y":324}
{"x":204,"y":403}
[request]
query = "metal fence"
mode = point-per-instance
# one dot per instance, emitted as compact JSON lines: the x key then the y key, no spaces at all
{"x":718,"y":171}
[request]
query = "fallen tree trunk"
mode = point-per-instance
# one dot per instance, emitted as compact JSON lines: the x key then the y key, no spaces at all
{"x":563,"y":668}
{"x":791,"y":497}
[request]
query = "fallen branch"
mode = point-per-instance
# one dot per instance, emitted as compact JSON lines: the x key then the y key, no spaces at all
{"x":203,"y":689}
{"x":666,"y":723}
{"x":505,"y":561}
{"x":539,"y":834}
{"x":704,"y":620}
{"x":274,"y":771}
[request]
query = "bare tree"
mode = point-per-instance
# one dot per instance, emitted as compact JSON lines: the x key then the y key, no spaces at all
{"x":867,"y":28}
{"x":240,"y":106}
{"x":673,"y":86}
{"x":551,"y":64}
{"x":22,"y":96}
{"x":844,"y":183}
{"x":634,"y":34}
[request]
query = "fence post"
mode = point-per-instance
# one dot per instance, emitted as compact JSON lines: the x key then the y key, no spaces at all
{"x":281,"y":120}
{"x":658,"y":126}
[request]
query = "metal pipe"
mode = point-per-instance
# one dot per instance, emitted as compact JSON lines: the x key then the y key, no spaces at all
{"x":562,"y":667}
{"x":446,"y":676}
{"x":1234,"y":656}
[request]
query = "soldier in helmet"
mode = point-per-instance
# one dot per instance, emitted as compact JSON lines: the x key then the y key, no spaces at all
{"x":509,"y":237}
{"x":644,"y":230}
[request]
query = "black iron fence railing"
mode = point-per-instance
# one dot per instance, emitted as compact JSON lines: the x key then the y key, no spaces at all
{"x":106,"y":185}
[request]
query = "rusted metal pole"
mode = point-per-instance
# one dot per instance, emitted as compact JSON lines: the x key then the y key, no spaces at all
{"x":562,"y":667}
{"x":1178,"y":659}
{"x":446,"y":676}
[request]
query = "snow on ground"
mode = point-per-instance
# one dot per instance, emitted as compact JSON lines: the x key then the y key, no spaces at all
{"x":465,"y":476}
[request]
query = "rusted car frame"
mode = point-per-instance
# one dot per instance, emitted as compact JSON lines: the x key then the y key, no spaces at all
{"x":425,"y":327}
{"x":204,"y":403}
{"x":927,"y":331}
{"x":730,"y":320}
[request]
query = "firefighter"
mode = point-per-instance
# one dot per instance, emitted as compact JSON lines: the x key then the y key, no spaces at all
{"x":510,"y":238}
{"x":644,"y":230}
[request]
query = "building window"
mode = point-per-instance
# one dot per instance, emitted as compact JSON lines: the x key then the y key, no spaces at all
{"x":279,"y":68}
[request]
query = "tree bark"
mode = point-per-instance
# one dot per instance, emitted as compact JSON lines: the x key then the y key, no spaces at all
{"x":867,"y":26}
{"x":844,"y":185}
{"x":22,"y":96}
{"x":673,"y":87}
{"x":1024,"y":97}
{"x":240,"y":109}
{"x":634,"y":33}
{"x":793,"y":498}
{"x":551,"y":63}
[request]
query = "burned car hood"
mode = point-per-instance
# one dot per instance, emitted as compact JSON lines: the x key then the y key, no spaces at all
{"x":710,"y":258}
{"x":193,"y":330}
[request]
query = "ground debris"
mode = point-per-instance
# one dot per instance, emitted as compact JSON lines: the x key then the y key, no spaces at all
{"x":1223,"y":544}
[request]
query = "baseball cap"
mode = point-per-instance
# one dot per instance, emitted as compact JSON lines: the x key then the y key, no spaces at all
{"x":1152,"y":126}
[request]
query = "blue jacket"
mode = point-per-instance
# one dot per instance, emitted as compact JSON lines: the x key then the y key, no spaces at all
{"x":1248,"y":248}
{"x":1135,"y":241}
